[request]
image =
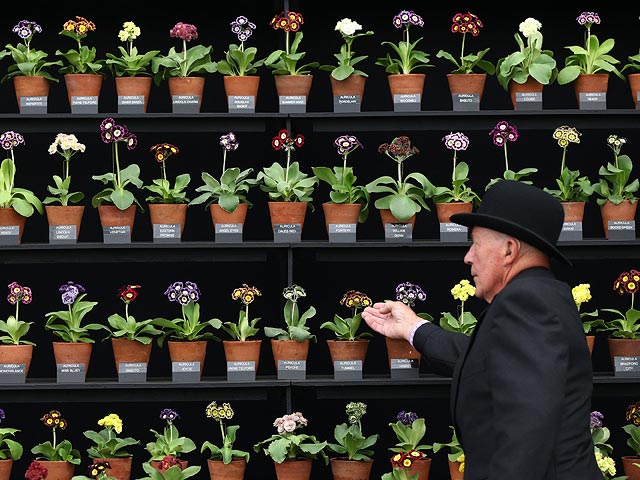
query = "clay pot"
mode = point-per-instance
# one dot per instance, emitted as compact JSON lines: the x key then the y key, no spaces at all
{"x":634,"y":86}
{"x":126,"y":350}
{"x":242,"y":351}
{"x":65,"y":215}
{"x":590,"y":82}
{"x":623,"y":347}
{"x":467,"y":83}
{"x":287,"y":212}
{"x":58,"y":470}
{"x":6,"y":466}
{"x":340,"y":213}
{"x":83,"y":85}
{"x":120,"y":467}
{"x":73,"y":352}
{"x":189,"y":351}
{"x":187,"y":86}
{"x":573,"y":211}
{"x":19,"y":354}
{"x":9,"y":217}
{"x":623,"y":211}
{"x":220,"y":215}
{"x":293,"y":85}
{"x":344,"y":469}
{"x":387,"y":217}
{"x":446,"y":209}
{"x":406,"y":83}
{"x":112,"y":216}
{"x":352,"y":85}
{"x":233,"y":470}
{"x":168,"y":213}
{"x":531,"y":85}
{"x":289,"y":350}
{"x":630,"y":470}
{"x":348,"y":349}
{"x":134,"y":86}
{"x":30,"y":86}
{"x":240,"y":86}
{"x":294,"y":469}
{"x":398,"y":348}
{"x":590,"y":341}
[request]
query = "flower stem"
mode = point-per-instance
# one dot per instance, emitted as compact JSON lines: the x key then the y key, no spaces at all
{"x":286,"y":172}
{"x":163,"y":169}
{"x":116,"y":161}
{"x":564,"y":153}
{"x":464,"y":37}
{"x":506,"y":159}
{"x":183,"y":63}
{"x":224,"y":160}
{"x":222,"y":431}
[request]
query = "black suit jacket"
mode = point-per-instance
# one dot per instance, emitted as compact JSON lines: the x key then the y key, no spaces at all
{"x":521,"y":384}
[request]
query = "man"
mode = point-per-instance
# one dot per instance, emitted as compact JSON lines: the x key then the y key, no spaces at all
{"x":521,"y":384}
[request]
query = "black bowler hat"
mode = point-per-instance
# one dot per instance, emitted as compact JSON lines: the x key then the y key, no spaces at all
{"x":521,"y":211}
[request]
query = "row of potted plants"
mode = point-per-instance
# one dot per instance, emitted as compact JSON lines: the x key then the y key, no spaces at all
{"x":111,"y":455}
{"x":71,"y":325}
{"x":352,"y":453}
{"x":403,"y":195}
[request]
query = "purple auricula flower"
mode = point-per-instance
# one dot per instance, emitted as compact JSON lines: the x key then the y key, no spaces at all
{"x":11,"y":139}
{"x":111,"y":132}
{"x":169,"y":415}
{"x":70,"y":292}
{"x":408,"y":293}
{"x":184,"y":31}
{"x":407,"y":418}
{"x":19,"y":294}
{"x":2,"y":415}
{"x":595,"y":420}
{"x":229,"y":142}
{"x":26,"y":28}
{"x":503,"y":133}
{"x":183,"y":293}
{"x":456,"y":141}
{"x":588,"y":18}
{"x":407,"y":17}
{"x":347,"y":144}
{"x":243,"y":28}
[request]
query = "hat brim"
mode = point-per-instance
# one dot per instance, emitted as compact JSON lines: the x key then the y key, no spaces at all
{"x":510,"y":228}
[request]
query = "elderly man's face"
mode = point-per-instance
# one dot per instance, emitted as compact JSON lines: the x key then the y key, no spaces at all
{"x":486,"y":256}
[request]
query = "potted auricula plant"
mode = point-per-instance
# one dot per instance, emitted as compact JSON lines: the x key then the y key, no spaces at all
{"x":131,"y":339}
{"x":573,"y":190}
{"x":405,"y":195}
{"x":459,"y":197}
{"x":589,"y":65}
{"x":502,"y":134}
{"x":10,"y":449}
{"x":56,"y":450}
{"x":224,"y":459}
{"x":354,"y":453}
{"x":130,"y":68}
{"x":30,"y":68}
{"x":83,"y":70}
{"x":408,"y":60}
{"x":16,"y":204}
{"x":464,"y":321}
{"x":529,"y":68}
{"x":291,"y":78}
{"x":464,"y":78}
{"x":14,"y":348}
{"x":590,"y":322}
{"x":185,"y":70}
{"x":169,"y":443}
{"x":288,"y":187}
{"x":187,"y":335}
{"x":67,"y":212}
{"x":348,"y":202}
{"x":242,"y":347}
{"x":409,"y":452}
{"x":167,"y":204}
{"x":226,"y":196}
{"x":108,"y":446}
{"x":116,"y":204}
{"x":291,"y":450}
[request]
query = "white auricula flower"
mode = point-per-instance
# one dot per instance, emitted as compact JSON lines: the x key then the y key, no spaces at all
{"x":529,"y":27}
{"x":348,"y":27}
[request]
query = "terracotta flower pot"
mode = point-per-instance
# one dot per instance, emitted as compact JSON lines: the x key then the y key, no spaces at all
{"x":340,"y":213}
{"x":294,"y":469}
{"x":467,"y":83}
{"x":344,"y":469}
{"x":398,"y":348}
{"x":623,"y":347}
{"x":293,"y":85}
{"x":590,"y":82}
{"x":112,"y":216}
{"x":73,"y":352}
{"x":58,"y":470}
{"x":352,"y":85}
{"x":348,"y":349}
{"x":134,"y":86}
{"x":126,"y":350}
{"x":233,"y":470}
{"x":168,"y":213}
{"x":289,"y":350}
{"x":573,"y":211}
{"x":189,"y":351}
{"x":65,"y":215}
{"x":242,"y":351}
{"x":531,"y":85}
{"x":630,"y":470}
{"x":19,"y":354}
{"x":288,"y":212}
{"x":406,"y":83}
{"x":421,"y":467}
{"x":120,"y":467}
{"x":240,"y":86}
{"x":30,"y":86}
{"x":454,"y":470}
{"x":83,"y":85}
{"x":446,"y":209}
{"x":387,"y":217}
{"x":590,"y":341}
{"x":9,"y":217}
{"x":187,"y":86}
{"x":6,"y":466}
{"x":623,"y":211}
{"x":634,"y":86}
{"x":219,"y":215}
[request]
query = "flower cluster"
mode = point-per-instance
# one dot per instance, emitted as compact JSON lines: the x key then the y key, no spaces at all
{"x":405,"y":459}
{"x":130,"y":63}
{"x":19,"y":294}
{"x":183,"y":292}
{"x":128,"y":293}
{"x":464,"y":23}
{"x":408,"y":293}
{"x":632,"y":416}
{"x":351,"y":443}
{"x":161,"y":187}
{"x":229,"y":143}
{"x":56,"y":450}
{"x":464,"y":322}
{"x":99,"y":469}
{"x":581,"y":294}
{"x":70,"y":291}
{"x":67,"y":324}
{"x":289,"y":423}
{"x":13,"y":329}
{"x":458,"y":192}
{"x":36,"y":471}
{"x":571,"y":187}
{"x":119,"y":178}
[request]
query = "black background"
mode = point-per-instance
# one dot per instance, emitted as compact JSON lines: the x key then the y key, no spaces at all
{"x":324,"y":282}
